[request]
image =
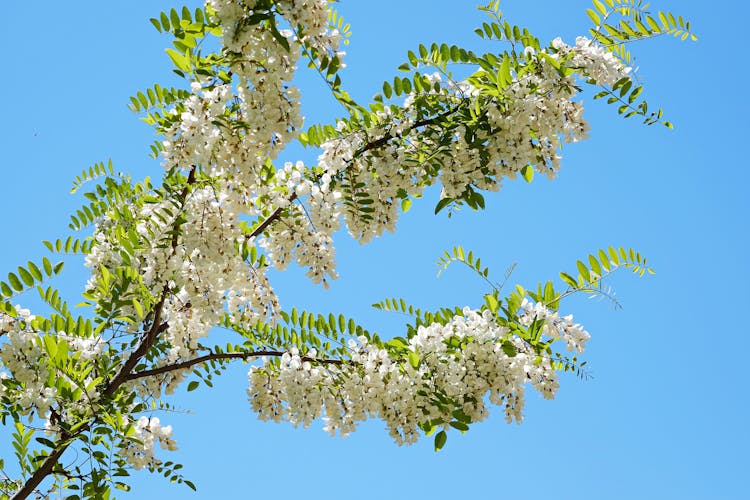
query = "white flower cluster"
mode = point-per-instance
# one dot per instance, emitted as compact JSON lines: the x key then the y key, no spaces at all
{"x":312,"y":15}
{"x":596,"y":61}
{"x":378,"y":176}
{"x":305,"y":233}
{"x":462,"y":366}
{"x":10,"y":323}
{"x":555,"y":326}
{"x":148,"y":431}
{"x":202,"y":278}
{"x":537,"y":113}
{"x":24,"y":356}
{"x":264,"y":118}
{"x":207,"y":274}
{"x":86,"y":348}
{"x":232,"y":132}
{"x":195,"y":137}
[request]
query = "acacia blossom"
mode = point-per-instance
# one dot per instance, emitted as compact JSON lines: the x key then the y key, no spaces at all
{"x":464,"y":362}
{"x":537,"y":114}
{"x":148,"y":432}
{"x":24,"y":355}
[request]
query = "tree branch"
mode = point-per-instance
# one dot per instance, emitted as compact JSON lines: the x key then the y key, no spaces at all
{"x":141,"y":350}
{"x":158,"y":327}
{"x":371,"y":145}
{"x":222,"y":356}
{"x":43,"y":471}
{"x":419,"y":123}
{"x":147,"y":341}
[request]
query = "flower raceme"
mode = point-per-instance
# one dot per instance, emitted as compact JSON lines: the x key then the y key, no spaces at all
{"x":374,"y":384}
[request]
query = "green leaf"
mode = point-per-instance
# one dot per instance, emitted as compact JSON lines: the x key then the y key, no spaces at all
{"x":503,"y":74}
{"x":164,"y":21}
{"x":634,"y":95}
{"x":461,"y":426}
{"x":583,"y":270}
{"x":387,"y":90}
{"x":15,"y":282}
{"x":406,"y":84}
{"x":509,"y":348}
{"x":594,"y":17}
{"x":594,"y":264}
{"x":413,"y":359}
{"x":604,"y":259}
{"x":35,"y":271}
{"x":442,"y":204}
{"x":174,"y":18}
{"x":50,"y":345}
{"x":193,"y":385}
{"x":26,"y":276}
{"x":180,"y":60}
{"x":528,"y":173}
{"x":398,"y":342}
{"x":138,"y":308}
{"x":278,"y":36}
{"x":45,"y":442}
{"x":440,"y":439}
{"x":492,"y":303}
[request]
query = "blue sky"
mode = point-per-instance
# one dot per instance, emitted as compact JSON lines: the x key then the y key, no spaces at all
{"x":666,"y":412}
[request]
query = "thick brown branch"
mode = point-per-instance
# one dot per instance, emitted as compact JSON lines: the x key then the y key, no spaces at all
{"x":43,"y":471}
{"x":221,"y":356}
{"x":146,"y":343}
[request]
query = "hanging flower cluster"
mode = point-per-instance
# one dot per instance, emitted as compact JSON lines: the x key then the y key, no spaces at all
{"x":139,"y":452}
{"x":526,"y":126}
{"x":462,"y":365}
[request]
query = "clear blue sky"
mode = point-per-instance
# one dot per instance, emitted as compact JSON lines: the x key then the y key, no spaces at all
{"x":666,"y":413}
